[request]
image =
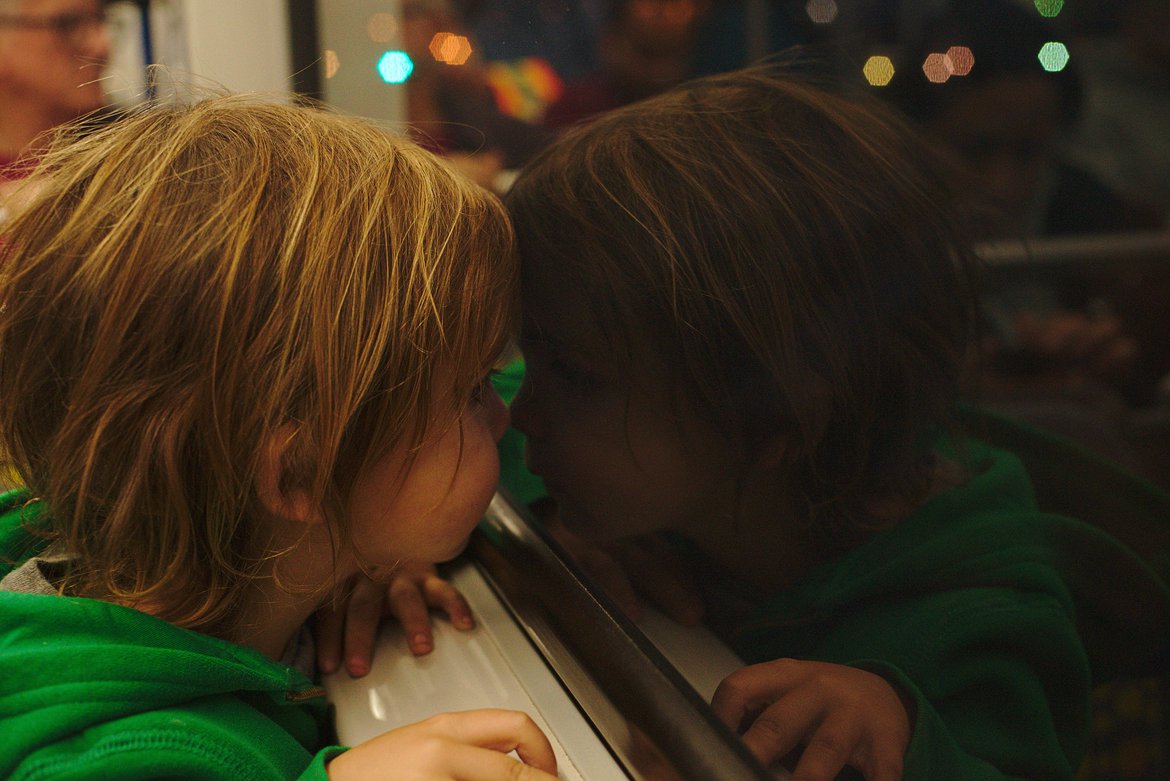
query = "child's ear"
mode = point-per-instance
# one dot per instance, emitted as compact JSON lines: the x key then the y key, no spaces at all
{"x":279,"y":489}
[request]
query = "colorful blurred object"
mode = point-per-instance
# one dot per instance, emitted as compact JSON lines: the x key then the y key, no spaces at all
{"x":523,"y":88}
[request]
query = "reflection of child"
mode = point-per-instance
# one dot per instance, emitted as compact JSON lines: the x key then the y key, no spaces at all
{"x":745,"y":312}
{"x":244,"y":357}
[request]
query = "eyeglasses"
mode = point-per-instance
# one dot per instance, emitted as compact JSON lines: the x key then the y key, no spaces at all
{"x":74,"y":28}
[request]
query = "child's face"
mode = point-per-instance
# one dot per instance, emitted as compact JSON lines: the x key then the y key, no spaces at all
{"x":619,"y":455}
{"x":429,"y":514}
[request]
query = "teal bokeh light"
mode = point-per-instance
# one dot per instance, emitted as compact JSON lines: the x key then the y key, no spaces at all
{"x":395,"y":67}
{"x":1053,"y":56}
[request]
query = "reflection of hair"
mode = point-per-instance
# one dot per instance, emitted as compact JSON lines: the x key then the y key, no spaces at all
{"x":780,"y":248}
{"x":195,"y":279}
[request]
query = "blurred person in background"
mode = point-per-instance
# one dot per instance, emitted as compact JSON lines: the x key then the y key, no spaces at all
{"x":645,"y":47}
{"x":52,"y":56}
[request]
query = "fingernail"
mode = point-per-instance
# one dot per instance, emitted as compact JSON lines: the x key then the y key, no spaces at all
{"x":464,"y":622}
{"x":420,"y":643}
{"x":357,"y":668}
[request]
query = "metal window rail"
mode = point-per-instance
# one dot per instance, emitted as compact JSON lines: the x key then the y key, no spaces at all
{"x":651,"y":719}
{"x":1089,"y":249}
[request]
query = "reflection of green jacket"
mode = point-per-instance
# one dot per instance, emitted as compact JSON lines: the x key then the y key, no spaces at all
{"x":994,"y":617}
{"x":981,"y":607}
{"x":93,"y":690}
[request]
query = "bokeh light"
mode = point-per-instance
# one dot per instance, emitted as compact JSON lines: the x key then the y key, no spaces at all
{"x":821,"y":11}
{"x":1049,"y":8}
{"x":381,"y":27}
{"x":937,"y":67}
{"x":450,"y":48}
{"x":878,"y":70}
{"x":331,"y":62}
{"x":395,"y":67}
{"x":1053,"y":56}
{"x":961,"y":59}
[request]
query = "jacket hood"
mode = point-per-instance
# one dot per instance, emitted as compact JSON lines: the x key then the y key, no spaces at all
{"x":67,"y":664}
{"x":1120,"y":604}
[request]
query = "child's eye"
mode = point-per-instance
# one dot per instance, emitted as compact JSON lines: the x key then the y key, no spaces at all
{"x":485,"y":387}
{"x":579,"y":380}
{"x":543,"y":363}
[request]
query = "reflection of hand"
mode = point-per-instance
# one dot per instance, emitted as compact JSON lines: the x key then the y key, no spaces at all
{"x":1068,"y":344}
{"x":407,"y":593}
{"x":840,"y":715}
{"x":648,"y":566}
{"x":1096,"y":346}
{"x":467,"y":746}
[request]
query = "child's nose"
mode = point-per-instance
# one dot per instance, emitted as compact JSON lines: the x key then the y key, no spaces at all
{"x":497,"y":414}
{"x":523,"y":414}
{"x":94,"y":42}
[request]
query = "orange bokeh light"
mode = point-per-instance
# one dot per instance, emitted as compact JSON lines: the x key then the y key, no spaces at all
{"x":450,"y":48}
{"x":937,"y":67}
{"x":962,"y":60}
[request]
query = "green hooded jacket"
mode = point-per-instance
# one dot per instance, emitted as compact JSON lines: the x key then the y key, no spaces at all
{"x":994,"y":618}
{"x":94,"y":690}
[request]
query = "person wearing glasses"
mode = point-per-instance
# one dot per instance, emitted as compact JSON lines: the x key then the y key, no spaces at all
{"x":52,"y":57}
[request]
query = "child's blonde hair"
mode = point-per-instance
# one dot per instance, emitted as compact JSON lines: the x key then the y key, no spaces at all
{"x":197,"y":278}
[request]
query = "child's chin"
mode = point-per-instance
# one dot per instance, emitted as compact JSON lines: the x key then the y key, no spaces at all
{"x":456,"y":549}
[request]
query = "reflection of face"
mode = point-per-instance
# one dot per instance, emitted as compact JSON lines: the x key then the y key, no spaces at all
{"x":50,"y":74}
{"x":620,"y":456}
{"x":428,"y":515}
{"x":1003,"y":132}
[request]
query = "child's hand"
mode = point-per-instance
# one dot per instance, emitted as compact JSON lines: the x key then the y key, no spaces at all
{"x":407,"y":593}
{"x":840,"y":715}
{"x":467,"y":746}
{"x":647,"y":566}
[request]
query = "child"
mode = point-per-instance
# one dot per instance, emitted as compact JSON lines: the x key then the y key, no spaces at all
{"x":244,"y":357}
{"x":746,"y":310}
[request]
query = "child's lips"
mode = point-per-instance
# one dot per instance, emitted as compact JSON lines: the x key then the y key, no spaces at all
{"x":551,"y":486}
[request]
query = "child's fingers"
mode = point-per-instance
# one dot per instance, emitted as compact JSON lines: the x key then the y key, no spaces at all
{"x":884,"y":763}
{"x":501,"y":731}
{"x":750,"y":688}
{"x":601,"y":565}
{"x":329,"y":628}
{"x":831,"y":746}
{"x":363,"y":613}
{"x":466,"y":746}
{"x":660,"y":574}
{"x":477,"y":764}
{"x":442,"y":595}
{"x":613,"y":579}
{"x":409,"y":606}
{"x":780,"y":728}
